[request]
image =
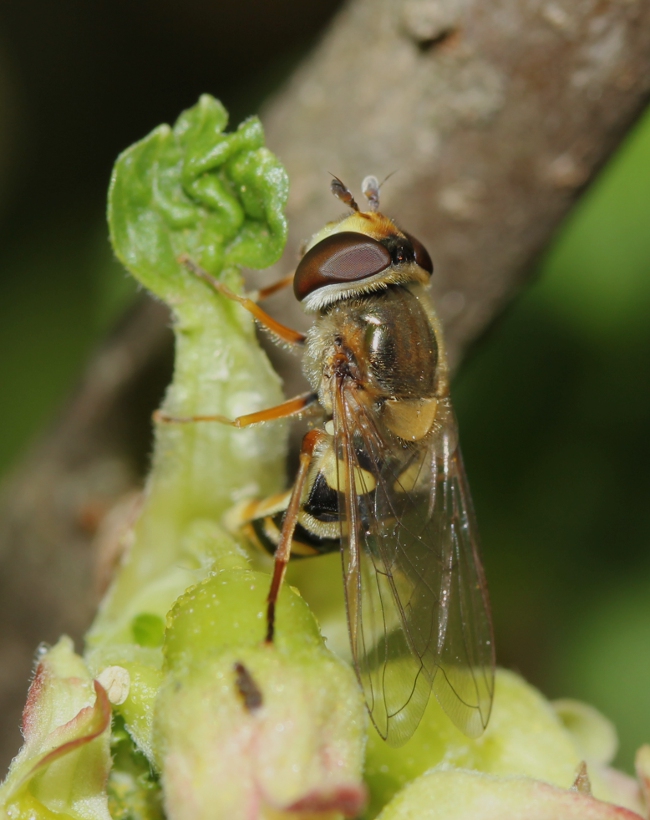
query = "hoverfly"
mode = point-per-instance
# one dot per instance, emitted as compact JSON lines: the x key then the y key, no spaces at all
{"x":382,"y":479}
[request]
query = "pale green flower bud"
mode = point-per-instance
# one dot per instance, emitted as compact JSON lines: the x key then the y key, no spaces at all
{"x":64,"y":763}
{"x":244,"y":729}
{"x":459,"y":794}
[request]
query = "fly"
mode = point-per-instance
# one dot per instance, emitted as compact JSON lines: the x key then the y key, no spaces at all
{"x":382,"y":480}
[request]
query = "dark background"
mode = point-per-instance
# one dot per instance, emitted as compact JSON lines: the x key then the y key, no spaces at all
{"x":554,"y":403}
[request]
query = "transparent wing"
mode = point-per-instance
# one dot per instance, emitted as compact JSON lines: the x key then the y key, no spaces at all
{"x":418,"y":609}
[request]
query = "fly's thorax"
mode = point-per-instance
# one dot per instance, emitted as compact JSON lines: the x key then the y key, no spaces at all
{"x":384,"y":347}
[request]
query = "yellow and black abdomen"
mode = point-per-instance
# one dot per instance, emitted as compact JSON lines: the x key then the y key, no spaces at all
{"x":318,"y":529}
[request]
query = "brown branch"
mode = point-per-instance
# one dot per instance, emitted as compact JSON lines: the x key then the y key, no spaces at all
{"x":495,"y":116}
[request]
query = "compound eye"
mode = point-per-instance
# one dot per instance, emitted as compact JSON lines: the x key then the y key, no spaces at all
{"x":422,"y":257}
{"x":341,"y":257}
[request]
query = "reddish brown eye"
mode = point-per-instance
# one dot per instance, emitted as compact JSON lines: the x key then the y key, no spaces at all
{"x":422,"y":257}
{"x":341,"y":257}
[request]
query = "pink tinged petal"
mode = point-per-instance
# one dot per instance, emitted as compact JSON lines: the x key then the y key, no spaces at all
{"x":456,"y":794}
{"x":304,"y":751}
{"x":87,"y":725}
{"x":54,"y":698}
{"x":64,"y":763}
{"x":642,"y":764}
{"x":62,"y":686}
{"x":622,"y":789}
{"x":346,"y":800}
{"x":30,"y":712}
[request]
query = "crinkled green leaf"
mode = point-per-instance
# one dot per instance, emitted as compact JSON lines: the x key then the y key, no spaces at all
{"x":197,"y":190}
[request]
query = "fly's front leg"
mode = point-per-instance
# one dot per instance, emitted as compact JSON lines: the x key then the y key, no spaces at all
{"x":283,"y":552}
{"x":282,"y":332}
{"x":269,"y":290}
{"x":289,"y":408}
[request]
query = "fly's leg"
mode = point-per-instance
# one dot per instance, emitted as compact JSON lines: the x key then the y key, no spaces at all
{"x":289,"y":408}
{"x":282,"y":332}
{"x":269,"y":290}
{"x":283,"y":552}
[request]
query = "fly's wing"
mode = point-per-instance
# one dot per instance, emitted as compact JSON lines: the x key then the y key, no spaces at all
{"x":417,"y":601}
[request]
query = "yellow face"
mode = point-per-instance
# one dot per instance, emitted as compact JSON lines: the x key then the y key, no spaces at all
{"x":369,"y":223}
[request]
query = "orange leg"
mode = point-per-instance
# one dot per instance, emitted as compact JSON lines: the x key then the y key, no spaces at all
{"x":264,"y":293}
{"x":283,"y":552}
{"x":291,"y":407}
{"x":286,"y":334}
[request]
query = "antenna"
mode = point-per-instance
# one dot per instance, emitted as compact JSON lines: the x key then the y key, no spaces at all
{"x":339,"y":190}
{"x":370,"y":187}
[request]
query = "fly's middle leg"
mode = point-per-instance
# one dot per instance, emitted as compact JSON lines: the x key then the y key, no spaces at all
{"x":290,"y":407}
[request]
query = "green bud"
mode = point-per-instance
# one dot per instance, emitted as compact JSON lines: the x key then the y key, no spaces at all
{"x":243,"y":727}
{"x":63,"y":765}
{"x":460,"y":794}
{"x":526,"y":737}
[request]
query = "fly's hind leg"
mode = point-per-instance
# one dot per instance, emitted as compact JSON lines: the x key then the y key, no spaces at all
{"x":280,"y":331}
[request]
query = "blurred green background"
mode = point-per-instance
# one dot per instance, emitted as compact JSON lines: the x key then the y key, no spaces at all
{"x":554,"y":404}
{"x":555,"y":419}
